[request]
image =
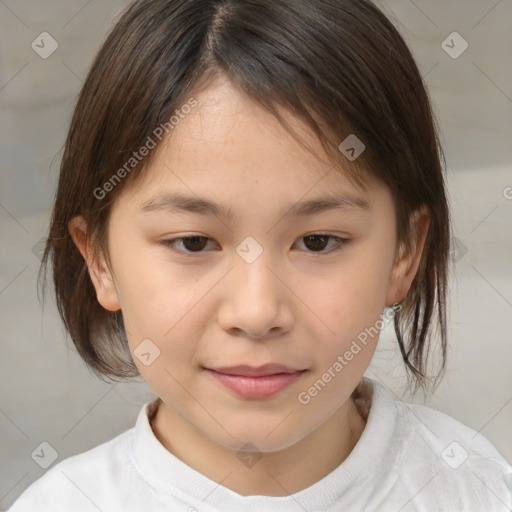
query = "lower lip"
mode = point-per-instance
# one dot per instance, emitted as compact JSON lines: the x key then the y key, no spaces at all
{"x":256,"y":387}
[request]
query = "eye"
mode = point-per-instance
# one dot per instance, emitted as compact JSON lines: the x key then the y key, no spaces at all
{"x":316,"y":242}
{"x":192,"y":244}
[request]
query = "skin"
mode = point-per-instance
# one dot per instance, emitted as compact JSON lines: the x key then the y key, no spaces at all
{"x":299,"y":304}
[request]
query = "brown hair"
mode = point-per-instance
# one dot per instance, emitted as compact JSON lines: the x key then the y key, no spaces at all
{"x":340,"y":66}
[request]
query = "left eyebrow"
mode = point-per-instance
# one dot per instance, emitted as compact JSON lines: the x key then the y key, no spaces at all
{"x":179,"y":202}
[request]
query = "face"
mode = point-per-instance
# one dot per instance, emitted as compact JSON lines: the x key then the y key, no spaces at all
{"x":234,"y":314}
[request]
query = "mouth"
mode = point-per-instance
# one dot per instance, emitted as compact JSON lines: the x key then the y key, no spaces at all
{"x":256,"y":382}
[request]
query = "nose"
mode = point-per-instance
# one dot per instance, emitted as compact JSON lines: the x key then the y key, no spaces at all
{"x":256,"y":301}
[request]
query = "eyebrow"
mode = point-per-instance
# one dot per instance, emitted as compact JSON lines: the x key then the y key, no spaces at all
{"x":175,"y":203}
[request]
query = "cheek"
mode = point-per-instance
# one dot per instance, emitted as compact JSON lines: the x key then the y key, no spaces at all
{"x":159,"y":300}
{"x":350,"y":305}
{"x":355,"y":291}
{"x":148,"y":281}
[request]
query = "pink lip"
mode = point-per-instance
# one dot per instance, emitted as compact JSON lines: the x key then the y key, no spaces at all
{"x":257,"y":383}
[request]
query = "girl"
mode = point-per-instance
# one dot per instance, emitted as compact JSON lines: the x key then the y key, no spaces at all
{"x":249,"y":191}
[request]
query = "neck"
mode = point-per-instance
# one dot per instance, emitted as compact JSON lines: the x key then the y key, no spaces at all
{"x":278,"y":473}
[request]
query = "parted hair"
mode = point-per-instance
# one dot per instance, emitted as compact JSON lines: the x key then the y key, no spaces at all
{"x":340,"y":66}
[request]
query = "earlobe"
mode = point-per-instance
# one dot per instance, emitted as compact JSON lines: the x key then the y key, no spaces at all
{"x":407,"y":265}
{"x":101,"y":276}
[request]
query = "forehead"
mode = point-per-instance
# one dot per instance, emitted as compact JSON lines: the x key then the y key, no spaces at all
{"x":228,"y":143}
{"x":230,"y":128}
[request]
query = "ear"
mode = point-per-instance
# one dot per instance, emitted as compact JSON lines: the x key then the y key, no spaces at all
{"x":102,"y":279}
{"x":408,"y":261}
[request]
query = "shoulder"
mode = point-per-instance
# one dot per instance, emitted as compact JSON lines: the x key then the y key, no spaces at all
{"x":456,"y":440}
{"x":81,"y":481}
{"x":454,"y":461}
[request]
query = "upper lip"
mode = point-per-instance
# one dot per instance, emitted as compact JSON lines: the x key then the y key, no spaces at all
{"x":255,"y":371}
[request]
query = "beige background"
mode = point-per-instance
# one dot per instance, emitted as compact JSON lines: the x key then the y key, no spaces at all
{"x":47,"y":394}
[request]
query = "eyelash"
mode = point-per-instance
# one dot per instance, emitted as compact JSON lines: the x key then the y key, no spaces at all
{"x":340,"y":243}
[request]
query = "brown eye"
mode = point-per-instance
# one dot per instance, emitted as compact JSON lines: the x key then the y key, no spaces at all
{"x":191,"y":244}
{"x":318,"y":242}
{"x":195,"y":243}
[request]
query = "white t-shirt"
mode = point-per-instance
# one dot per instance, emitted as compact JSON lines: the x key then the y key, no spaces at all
{"x":409,"y":457}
